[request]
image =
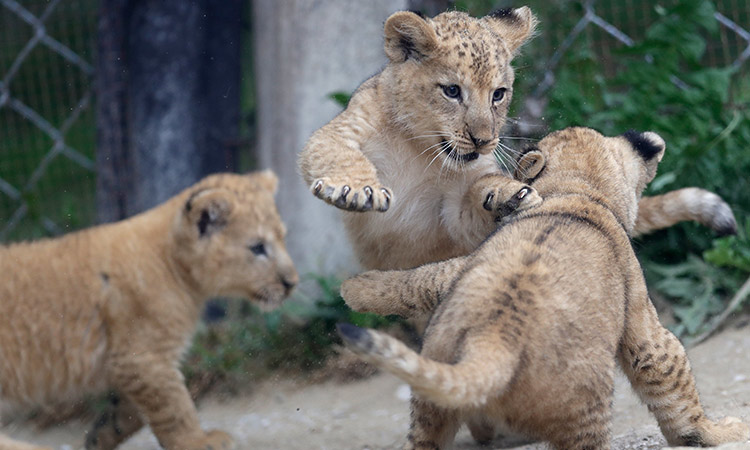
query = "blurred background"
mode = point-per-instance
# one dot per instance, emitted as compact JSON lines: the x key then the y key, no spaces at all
{"x":109,"y":107}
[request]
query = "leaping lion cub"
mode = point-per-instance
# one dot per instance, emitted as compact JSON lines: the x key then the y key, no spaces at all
{"x":529,"y":327}
{"x":411,"y":159}
{"x":114,"y":307}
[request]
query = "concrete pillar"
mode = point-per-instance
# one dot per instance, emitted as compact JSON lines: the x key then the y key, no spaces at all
{"x":304,"y":51}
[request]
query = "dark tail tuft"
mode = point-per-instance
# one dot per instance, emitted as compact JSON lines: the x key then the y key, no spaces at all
{"x":355,"y":337}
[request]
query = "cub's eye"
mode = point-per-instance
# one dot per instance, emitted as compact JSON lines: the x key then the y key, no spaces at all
{"x":452,"y":91}
{"x":498,"y":95}
{"x":258,"y":249}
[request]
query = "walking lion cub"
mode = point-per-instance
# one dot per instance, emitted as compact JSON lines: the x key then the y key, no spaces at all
{"x":527,"y":329}
{"x":114,"y":307}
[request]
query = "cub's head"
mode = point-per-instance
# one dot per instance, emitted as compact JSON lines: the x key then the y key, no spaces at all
{"x":580,"y":160}
{"x":449,"y":80}
{"x":229,"y":239}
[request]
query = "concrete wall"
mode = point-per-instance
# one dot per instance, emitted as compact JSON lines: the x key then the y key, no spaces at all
{"x":305,"y":50}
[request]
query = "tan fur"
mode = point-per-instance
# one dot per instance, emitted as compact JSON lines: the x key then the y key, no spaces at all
{"x":113,"y":307}
{"x":528,"y":329}
{"x":389,"y":151}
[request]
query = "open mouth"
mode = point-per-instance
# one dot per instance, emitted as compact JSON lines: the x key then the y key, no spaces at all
{"x":453,"y":154}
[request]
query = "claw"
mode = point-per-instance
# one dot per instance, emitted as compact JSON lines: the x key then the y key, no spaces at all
{"x":522,"y":193}
{"x":488,"y":201}
{"x":341,"y":200}
{"x":318,"y":186}
{"x":387,"y":203}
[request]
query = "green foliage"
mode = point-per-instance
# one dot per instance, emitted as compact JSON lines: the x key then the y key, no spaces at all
{"x":696,"y":287}
{"x":662,"y":85}
{"x":299,"y":336}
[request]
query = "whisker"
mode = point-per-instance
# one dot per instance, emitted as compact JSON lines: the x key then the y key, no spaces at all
{"x":510,"y":150}
{"x":520,"y":137}
{"x":437,"y":134}
{"x":437,"y":154}
{"x":526,"y":124}
{"x":448,"y":160}
{"x":503,"y":158}
{"x":427,"y":149}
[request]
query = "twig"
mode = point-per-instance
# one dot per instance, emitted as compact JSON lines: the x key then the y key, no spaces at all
{"x":738,"y":298}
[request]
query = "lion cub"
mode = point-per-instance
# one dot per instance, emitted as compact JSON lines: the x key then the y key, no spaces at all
{"x":530,"y":326}
{"x":411,"y":158}
{"x":114,"y":307}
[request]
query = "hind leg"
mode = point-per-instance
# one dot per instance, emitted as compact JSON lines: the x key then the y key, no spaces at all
{"x":120,"y":421}
{"x":432,"y":427}
{"x":7,"y":443}
{"x":656,"y":364}
{"x":585,"y":416}
{"x":482,"y":429}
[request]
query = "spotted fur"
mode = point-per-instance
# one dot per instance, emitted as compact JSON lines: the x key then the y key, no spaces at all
{"x":417,"y":159}
{"x":527,"y":330}
{"x":113,"y":307}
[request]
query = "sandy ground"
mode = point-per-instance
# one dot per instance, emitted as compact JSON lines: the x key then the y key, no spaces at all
{"x":373,"y":413}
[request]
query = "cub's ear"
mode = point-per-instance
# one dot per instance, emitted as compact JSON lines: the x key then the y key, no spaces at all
{"x":530,"y":165}
{"x":515,"y":26}
{"x":408,"y":35}
{"x":648,"y":145}
{"x":266,"y":179}
{"x":208,"y":210}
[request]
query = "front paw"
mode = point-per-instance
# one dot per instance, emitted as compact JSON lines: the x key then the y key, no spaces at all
{"x":215,"y":440}
{"x":502,"y":203}
{"x":357,"y":292}
{"x":351,"y":197}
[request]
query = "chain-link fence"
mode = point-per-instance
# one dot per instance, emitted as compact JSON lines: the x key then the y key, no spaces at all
{"x":46,"y":123}
{"x":47,"y":135}
{"x":612,"y":25}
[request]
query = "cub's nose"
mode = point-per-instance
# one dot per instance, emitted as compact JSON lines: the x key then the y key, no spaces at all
{"x":289,"y":282}
{"x":478,"y":142}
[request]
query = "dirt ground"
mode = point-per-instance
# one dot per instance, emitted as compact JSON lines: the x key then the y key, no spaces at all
{"x":374,"y":413}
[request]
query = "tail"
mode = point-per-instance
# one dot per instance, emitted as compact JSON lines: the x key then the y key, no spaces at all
{"x":699,"y":205}
{"x":481,"y":374}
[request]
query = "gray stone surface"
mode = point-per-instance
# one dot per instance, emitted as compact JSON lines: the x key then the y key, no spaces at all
{"x":305,"y":50}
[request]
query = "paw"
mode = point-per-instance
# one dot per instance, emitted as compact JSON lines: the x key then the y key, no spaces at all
{"x":215,"y":440}
{"x":730,"y":429}
{"x":351,"y":197}
{"x":357,"y":292}
{"x":503,"y":203}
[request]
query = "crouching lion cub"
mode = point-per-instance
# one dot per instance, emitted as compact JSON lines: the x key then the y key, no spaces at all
{"x":113,"y":307}
{"x":529,"y":327}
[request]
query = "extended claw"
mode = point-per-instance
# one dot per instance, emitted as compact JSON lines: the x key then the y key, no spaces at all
{"x":488,"y":201}
{"x":368,"y":193}
{"x":387,"y":204}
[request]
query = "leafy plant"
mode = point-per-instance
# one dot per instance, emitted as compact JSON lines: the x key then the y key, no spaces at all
{"x":299,"y":336}
{"x":663,"y":85}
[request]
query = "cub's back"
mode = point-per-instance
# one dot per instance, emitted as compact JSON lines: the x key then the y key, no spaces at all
{"x":52,"y":337}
